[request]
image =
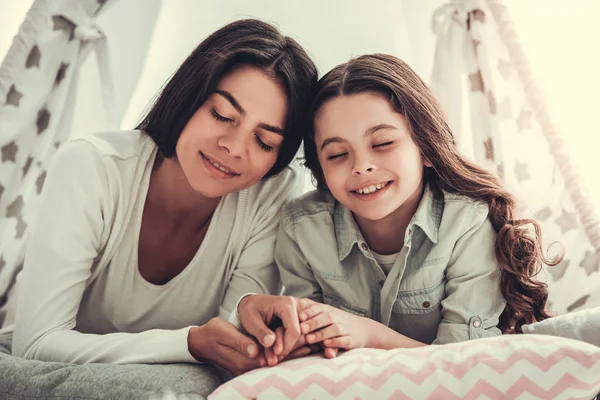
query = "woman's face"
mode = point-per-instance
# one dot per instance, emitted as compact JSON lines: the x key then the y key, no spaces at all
{"x":233,"y":139}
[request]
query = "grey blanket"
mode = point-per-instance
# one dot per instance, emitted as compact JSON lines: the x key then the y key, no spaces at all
{"x":27,"y":379}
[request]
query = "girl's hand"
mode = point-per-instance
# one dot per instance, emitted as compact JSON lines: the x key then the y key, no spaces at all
{"x":334,"y":328}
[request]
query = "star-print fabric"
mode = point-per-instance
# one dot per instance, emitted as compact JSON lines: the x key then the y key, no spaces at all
{"x":501,"y":120}
{"x":36,"y":107}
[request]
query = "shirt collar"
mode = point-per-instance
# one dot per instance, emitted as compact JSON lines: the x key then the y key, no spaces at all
{"x":427,"y":217}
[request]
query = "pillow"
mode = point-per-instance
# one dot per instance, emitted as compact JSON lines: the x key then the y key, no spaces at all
{"x":503,"y":367}
{"x":581,"y":325}
{"x":30,"y":379}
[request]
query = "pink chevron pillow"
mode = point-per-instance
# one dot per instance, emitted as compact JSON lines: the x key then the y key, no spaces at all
{"x":505,"y":367}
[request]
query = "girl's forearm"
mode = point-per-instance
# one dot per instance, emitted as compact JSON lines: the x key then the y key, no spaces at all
{"x":383,"y":337}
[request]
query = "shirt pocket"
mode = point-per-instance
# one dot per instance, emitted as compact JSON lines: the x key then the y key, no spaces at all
{"x":420,"y":301}
{"x":418,"y":313}
{"x":338,"y":302}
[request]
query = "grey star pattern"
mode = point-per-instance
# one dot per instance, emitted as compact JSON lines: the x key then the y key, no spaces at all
{"x":505,"y":68}
{"x":558,"y":271}
{"x":492,"y":102}
{"x":27,"y":165}
{"x":524,"y":120}
{"x":521,"y":171}
{"x":478,"y":15}
{"x":39,"y":182}
{"x":21,"y":228}
{"x":501,"y":171}
{"x":567,"y":221}
{"x":2,"y":262}
{"x":590,"y":263}
{"x":489,"y":149}
{"x":476,"y":82}
{"x":475,"y":43}
{"x":43,"y":119}
{"x":1,"y":191}
{"x":578,"y":304}
{"x":62,"y":24}
{"x":13,"y":97}
{"x":14,"y":209}
{"x":543,"y":214}
{"x":62,"y":71}
{"x":33,"y":59}
{"x":9,"y":152}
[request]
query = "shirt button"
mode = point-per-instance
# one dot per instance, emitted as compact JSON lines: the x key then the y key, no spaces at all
{"x":476,"y":324}
{"x":426,"y":304}
{"x":364,"y":246}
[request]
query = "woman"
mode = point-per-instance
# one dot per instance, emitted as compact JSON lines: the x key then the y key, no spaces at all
{"x":146,"y":239}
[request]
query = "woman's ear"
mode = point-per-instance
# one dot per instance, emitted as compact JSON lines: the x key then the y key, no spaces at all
{"x":426,"y":162}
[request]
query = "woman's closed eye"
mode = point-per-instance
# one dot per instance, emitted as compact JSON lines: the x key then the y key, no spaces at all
{"x":261,"y":144}
{"x":219,"y":117}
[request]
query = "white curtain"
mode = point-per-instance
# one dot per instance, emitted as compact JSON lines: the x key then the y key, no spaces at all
{"x":501,"y":120}
{"x":38,"y":81}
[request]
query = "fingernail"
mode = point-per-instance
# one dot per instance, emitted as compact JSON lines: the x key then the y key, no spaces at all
{"x":269,"y":338}
{"x":303,"y":316}
{"x":251,"y":350}
{"x":262,"y":362}
{"x":305,"y":328}
{"x":310,"y":338}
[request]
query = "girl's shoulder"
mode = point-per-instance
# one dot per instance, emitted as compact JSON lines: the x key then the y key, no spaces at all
{"x":462,"y":213}
{"x":313,"y":203}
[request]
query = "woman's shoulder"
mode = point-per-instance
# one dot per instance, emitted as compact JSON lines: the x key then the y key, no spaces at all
{"x":112,"y":159}
{"x":118,"y":144}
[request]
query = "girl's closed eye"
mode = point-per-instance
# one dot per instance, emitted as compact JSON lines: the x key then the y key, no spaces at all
{"x":385,"y":144}
{"x":336,"y":156}
{"x":219,"y":117}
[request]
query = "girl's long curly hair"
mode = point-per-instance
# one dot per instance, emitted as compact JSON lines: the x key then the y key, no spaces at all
{"x":519,"y":249}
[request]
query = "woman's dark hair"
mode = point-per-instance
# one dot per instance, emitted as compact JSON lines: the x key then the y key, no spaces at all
{"x":518,"y":244}
{"x":245,"y":42}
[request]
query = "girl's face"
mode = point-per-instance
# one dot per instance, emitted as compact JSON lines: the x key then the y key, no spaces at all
{"x":369,"y":160}
{"x":233,"y":139}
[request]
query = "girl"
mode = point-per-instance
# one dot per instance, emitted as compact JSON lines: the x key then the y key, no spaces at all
{"x":404,"y":241}
{"x":145,"y":238}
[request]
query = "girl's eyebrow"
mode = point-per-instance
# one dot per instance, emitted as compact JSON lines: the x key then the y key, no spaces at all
{"x":368,"y":132}
{"x":240,"y":109}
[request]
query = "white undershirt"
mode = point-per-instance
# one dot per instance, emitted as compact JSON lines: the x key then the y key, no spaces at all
{"x":386,"y":261}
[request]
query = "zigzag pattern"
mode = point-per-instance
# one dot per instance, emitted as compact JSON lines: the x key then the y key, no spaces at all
{"x":496,"y":368}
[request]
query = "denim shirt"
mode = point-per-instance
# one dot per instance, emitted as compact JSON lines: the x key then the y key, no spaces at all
{"x":443,"y":288}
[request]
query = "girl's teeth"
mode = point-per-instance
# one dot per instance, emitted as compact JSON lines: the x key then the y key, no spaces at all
{"x":371,"y":189}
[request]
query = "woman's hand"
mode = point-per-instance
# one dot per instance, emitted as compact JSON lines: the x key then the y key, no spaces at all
{"x":300,"y":349}
{"x":334,"y":328}
{"x":258,"y":311}
{"x":220,"y":342}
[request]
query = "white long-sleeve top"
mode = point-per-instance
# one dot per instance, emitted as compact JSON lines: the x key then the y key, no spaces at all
{"x":81,"y":297}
